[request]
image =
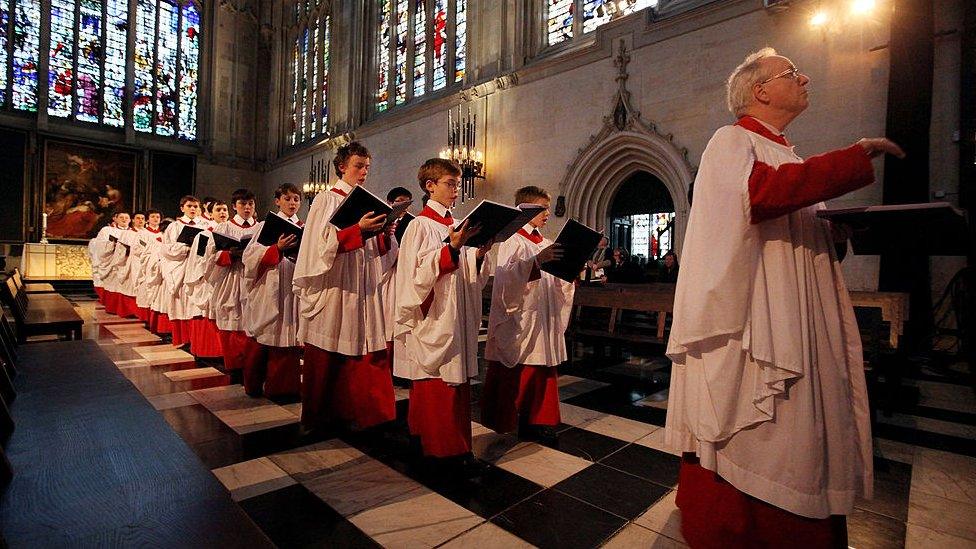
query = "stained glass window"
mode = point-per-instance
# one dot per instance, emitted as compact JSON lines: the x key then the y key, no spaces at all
{"x":461,"y":38}
{"x":419,"y":48}
{"x":309,"y":66}
{"x":559,"y":21}
{"x":26,"y":53}
{"x":327,"y":33}
{"x":383,"y":64}
{"x":116,"y":38}
{"x":145,"y":61}
{"x":439,"y":24}
{"x":402,"y":26}
{"x":189,"y":70}
{"x":87,"y":54}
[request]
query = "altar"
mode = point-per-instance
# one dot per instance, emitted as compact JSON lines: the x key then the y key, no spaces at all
{"x":55,"y":262}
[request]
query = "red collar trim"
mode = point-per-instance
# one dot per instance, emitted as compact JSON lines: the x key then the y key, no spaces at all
{"x":757,"y":127}
{"x":536,"y":239}
{"x":339,"y":192}
{"x":430,"y":213}
{"x":150,"y":229}
{"x":242,"y":226}
{"x":185,"y":223}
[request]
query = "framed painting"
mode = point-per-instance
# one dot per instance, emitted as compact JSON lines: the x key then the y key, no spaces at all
{"x":84,"y":186}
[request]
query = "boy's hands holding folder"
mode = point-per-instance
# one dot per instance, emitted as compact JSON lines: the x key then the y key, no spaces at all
{"x":550,"y":253}
{"x":371,"y":224}
{"x":463,"y":233}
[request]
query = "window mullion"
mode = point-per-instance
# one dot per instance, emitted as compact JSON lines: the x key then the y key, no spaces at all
{"x":429,"y":47}
{"x":411,"y":47}
{"x":179,"y":71}
{"x":155,"y":71}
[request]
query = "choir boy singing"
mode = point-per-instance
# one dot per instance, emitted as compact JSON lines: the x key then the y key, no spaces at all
{"x":438,"y":302}
{"x":530,"y":311}
{"x":271,"y":364}
{"x":346,"y":378}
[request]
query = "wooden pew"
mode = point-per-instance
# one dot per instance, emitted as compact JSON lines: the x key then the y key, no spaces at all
{"x":611,"y":314}
{"x":31,"y":288}
{"x":44,"y":314}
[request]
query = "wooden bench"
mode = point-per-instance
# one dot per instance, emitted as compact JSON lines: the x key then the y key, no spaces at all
{"x":41,"y":314}
{"x":31,"y":288}
{"x":621,"y":313}
{"x":94,"y":464}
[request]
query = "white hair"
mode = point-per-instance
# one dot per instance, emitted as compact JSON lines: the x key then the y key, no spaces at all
{"x":743,"y":78}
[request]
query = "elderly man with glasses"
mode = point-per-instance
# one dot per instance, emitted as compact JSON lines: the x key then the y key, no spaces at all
{"x":768,"y":402}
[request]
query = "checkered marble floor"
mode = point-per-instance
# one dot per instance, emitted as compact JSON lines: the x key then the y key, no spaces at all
{"x":607,"y":479}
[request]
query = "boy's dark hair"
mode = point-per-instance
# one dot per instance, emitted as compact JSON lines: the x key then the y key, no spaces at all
{"x":397,"y":192}
{"x":241,"y":194}
{"x":151,"y":211}
{"x":345,"y":152}
{"x":188,"y":198}
{"x":165,"y":222}
{"x":217,"y":202}
{"x":530,"y":193}
{"x":208,"y":203}
{"x":434,"y":169}
{"x":140,"y":212}
{"x":118,"y":213}
{"x":287,"y":188}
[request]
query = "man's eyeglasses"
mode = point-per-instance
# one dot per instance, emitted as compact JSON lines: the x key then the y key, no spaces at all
{"x":792,"y":72}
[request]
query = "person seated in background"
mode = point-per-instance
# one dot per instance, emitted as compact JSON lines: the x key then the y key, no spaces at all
{"x":669,"y":273}
{"x":622,"y":270}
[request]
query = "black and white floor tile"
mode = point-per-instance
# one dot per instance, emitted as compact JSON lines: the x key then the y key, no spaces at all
{"x":607,"y":480}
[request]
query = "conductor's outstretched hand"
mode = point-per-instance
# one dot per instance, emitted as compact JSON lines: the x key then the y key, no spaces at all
{"x":876,"y":146}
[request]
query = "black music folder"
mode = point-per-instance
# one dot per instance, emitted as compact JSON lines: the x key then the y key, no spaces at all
{"x":932,"y":228}
{"x":497,"y":221}
{"x":224,"y":242}
{"x":202,"y":245}
{"x":187,"y":234}
{"x":578,"y":243}
{"x":358,"y":203}
{"x":274,"y":227}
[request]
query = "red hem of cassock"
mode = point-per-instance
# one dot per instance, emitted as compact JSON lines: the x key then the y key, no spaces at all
{"x":204,"y":338}
{"x":351,"y":389}
{"x":142,"y":313}
{"x":715,"y":514}
{"x":440,"y":414}
{"x":180,"y":330}
{"x":111,"y":302}
{"x":526,"y":390}
{"x":100,"y":292}
{"x":234,"y":345}
{"x":159,"y":322}
{"x":127,"y":307}
{"x":272,"y":371}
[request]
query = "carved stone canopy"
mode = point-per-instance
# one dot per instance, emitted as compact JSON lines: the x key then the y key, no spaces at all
{"x":625,"y":144}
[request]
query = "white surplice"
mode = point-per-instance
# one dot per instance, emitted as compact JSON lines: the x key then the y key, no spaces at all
{"x":767,"y":384}
{"x":150,"y":279}
{"x":229,"y":294}
{"x":101,"y":251}
{"x":173,"y":262}
{"x":528,"y":319}
{"x":340,"y":305}
{"x":444,"y":342}
{"x":271,"y":314}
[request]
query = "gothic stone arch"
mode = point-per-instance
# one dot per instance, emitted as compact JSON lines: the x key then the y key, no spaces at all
{"x":626,"y":144}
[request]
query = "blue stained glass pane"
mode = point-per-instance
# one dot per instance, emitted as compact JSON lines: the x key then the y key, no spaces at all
{"x":4,"y":54}
{"x":296,"y":69}
{"x":439,"y":24}
{"x":461,"y":39}
{"x":559,"y":21}
{"x":303,"y":87}
{"x":325,"y":74}
{"x":145,"y":61}
{"x":116,"y":36}
{"x":27,"y":42}
{"x":88,"y":90}
{"x":383,"y":56}
{"x":189,"y":71}
{"x":61,"y":61}
{"x":167,"y":44}
{"x":419,"y":48}
{"x":314,"y":102}
{"x":402,"y":26}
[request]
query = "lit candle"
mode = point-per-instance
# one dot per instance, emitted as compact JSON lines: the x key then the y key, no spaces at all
{"x":43,"y":225}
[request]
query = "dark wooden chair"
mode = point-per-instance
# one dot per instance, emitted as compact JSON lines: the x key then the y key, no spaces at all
{"x":883,"y":366}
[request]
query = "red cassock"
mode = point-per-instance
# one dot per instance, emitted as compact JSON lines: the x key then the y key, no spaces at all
{"x":346,"y":375}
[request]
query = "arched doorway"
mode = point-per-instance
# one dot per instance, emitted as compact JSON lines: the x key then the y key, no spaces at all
{"x":641,"y":218}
